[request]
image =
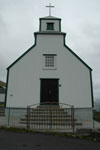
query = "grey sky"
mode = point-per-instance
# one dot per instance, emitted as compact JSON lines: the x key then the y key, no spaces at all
{"x":80,"y":20}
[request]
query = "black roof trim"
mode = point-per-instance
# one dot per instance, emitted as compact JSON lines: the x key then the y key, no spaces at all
{"x":55,"y":33}
{"x":76,"y":55}
{"x":50,"y":18}
{"x":61,"y":33}
{"x":50,"y":32}
{"x":21,"y":56}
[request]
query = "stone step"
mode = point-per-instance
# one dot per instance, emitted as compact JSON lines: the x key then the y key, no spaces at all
{"x":48,"y":109}
{"x":47,"y":119}
{"x":53,"y":123}
{"x":2,"y":112}
{"x":48,"y":115}
{"x":46,"y":122}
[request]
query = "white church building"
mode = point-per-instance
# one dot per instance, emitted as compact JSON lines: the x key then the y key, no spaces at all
{"x":50,"y":72}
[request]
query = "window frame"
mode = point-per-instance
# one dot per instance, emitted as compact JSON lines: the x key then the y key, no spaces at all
{"x":49,"y":67}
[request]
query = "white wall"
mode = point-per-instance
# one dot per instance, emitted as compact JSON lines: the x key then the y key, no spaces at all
{"x":25,"y":75}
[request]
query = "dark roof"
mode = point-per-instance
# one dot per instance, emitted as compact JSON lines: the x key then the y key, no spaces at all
{"x":22,"y":55}
{"x":50,"y":17}
{"x":50,"y":32}
{"x":2,"y":90}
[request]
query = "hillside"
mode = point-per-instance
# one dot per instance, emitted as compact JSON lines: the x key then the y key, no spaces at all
{"x":3,"y":84}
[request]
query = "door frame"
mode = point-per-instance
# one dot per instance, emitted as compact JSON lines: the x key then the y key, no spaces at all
{"x":41,"y":87}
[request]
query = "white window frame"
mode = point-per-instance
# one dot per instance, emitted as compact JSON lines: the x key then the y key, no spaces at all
{"x":49,"y":67}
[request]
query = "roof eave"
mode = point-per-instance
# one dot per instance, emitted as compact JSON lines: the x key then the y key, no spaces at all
{"x":50,"y":18}
{"x":50,"y":32}
{"x":20,"y":57}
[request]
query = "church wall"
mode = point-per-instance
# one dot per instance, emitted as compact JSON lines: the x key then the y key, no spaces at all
{"x":73,"y":74}
{"x":76,"y":86}
{"x":21,"y":82}
{"x":44,"y":24}
{"x":25,"y":75}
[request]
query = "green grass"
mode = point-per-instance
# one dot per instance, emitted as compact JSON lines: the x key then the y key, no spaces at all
{"x":3,"y":84}
{"x":1,"y":104}
{"x":11,"y":129}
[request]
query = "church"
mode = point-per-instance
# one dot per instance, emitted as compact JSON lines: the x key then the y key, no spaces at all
{"x":49,"y":72}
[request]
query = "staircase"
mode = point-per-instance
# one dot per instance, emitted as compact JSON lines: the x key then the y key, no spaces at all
{"x":2,"y":112}
{"x":49,"y":118}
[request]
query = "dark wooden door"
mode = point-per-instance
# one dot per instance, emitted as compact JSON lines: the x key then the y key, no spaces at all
{"x":49,"y":90}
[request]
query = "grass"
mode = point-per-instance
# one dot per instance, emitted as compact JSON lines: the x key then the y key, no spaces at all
{"x":12,"y":129}
{"x":1,"y":104}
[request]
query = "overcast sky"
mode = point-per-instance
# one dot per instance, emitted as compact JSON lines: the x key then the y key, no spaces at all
{"x":19,"y":19}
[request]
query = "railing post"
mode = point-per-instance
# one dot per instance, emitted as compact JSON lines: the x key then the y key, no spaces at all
{"x":28,"y":118}
{"x":72,"y":113}
{"x":93,"y":117}
{"x":9,"y":117}
{"x":50,"y":119}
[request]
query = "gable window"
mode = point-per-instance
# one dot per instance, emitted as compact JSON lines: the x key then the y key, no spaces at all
{"x":49,"y":61}
{"x":50,"y":26}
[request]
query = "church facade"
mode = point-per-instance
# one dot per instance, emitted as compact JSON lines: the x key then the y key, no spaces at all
{"x":49,"y":72}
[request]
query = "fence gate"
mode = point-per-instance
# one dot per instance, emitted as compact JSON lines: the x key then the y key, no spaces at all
{"x":50,"y":117}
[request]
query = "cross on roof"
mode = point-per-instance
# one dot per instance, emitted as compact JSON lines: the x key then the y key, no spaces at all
{"x":50,"y":8}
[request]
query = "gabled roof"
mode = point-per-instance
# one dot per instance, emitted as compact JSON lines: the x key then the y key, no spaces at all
{"x":35,"y":45}
{"x":77,"y":57}
{"x":21,"y":56}
{"x":50,"y":32}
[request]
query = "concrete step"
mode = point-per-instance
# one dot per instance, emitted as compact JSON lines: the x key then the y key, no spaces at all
{"x":48,"y":115}
{"x":46,"y":108}
{"x":47,"y":119}
{"x":2,"y":112}
{"x":53,"y":123}
{"x":48,"y":111}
